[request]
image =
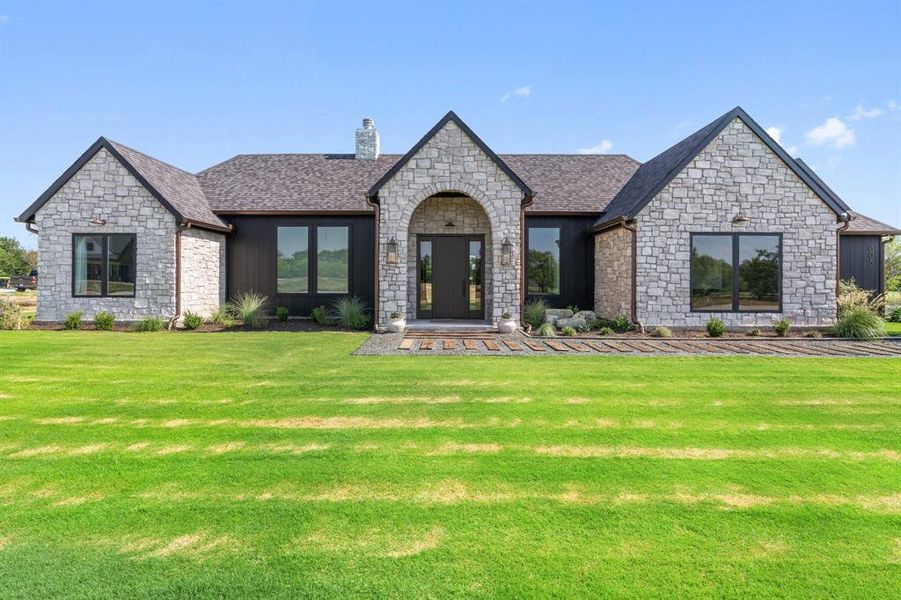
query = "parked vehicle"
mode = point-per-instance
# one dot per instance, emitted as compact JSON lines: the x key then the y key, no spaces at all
{"x":24,"y":282}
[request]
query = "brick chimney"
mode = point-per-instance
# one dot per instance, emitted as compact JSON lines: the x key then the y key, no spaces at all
{"x":368,"y":141}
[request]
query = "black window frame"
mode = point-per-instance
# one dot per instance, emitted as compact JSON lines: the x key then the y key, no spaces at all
{"x":549,"y":297}
{"x":313,"y":260}
{"x":736,"y":236}
{"x":104,"y":264}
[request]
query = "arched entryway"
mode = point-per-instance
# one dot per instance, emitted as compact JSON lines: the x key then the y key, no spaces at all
{"x":449,"y":259}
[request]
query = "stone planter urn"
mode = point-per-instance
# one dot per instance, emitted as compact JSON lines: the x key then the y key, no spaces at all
{"x":506,"y":324}
{"x":396,"y":323}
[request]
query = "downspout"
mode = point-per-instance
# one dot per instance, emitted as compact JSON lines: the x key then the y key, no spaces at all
{"x":375,"y":298}
{"x":184,"y":226}
{"x":30,"y":227}
{"x":838,"y":255}
{"x":523,"y":264}
{"x":634,"y":316}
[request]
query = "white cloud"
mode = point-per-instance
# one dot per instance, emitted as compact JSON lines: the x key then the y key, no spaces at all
{"x":601,"y":148}
{"x":865,"y":113}
{"x":775,"y":133}
{"x":792,"y":151}
{"x":833,"y":133}
{"x":522,"y":92}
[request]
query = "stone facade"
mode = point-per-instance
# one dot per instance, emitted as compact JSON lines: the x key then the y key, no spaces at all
{"x":613,"y":273}
{"x":450,"y":162}
{"x":736,"y":173}
{"x":202,"y":271}
{"x":431,"y":217}
{"x":104,"y":190}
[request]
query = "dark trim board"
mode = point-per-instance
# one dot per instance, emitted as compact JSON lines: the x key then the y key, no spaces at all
{"x":251,"y":259}
{"x":576,"y":261}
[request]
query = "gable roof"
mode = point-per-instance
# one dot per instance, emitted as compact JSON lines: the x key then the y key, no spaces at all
{"x":864,"y":225}
{"x":651,"y":177}
{"x":178,"y":191}
{"x":451,"y":116}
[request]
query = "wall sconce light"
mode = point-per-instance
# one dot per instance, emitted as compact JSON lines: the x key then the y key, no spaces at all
{"x":98,"y":221}
{"x":506,"y":253}
{"x":740,"y":218}
{"x":449,"y":224}
{"x":392,"y":251}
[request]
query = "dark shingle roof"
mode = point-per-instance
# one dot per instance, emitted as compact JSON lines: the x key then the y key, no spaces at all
{"x":654,"y":175}
{"x":864,"y":225}
{"x":339,"y":182}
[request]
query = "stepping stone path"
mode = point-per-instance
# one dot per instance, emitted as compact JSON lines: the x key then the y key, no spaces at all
{"x":489,"y":343}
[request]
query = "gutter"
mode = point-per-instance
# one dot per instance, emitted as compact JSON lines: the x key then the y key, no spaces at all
{"x":29,"y":225}
{"x":185,"y":225}
{"x":628,"y":225}
{"x":846,"y":217}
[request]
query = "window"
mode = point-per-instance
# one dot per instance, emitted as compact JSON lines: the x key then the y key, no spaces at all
{"x":293,"y":260}
{"x":104,"y":264}
{"x":332,"y":260}
{"x":425,"y":276}
{"x":543,"y":270}
{"x":736,"y":272}
{"x":328,"y":273}
{"x":475,"y":277}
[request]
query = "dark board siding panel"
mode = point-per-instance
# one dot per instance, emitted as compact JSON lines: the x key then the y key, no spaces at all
{"x":862,"y":259}
{"x":251,"y":259}
{"x":576,"y":260}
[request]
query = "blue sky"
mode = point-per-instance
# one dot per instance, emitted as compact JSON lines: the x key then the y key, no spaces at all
{"x":196,"y":83}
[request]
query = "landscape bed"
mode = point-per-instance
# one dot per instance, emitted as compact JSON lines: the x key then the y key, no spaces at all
{"x":276,"y":463}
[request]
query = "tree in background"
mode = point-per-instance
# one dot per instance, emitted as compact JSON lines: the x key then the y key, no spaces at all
{"x":14,"y":258}
{"x":893,"y":265}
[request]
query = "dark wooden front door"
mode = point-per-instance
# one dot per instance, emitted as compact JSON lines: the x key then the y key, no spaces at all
{"x":450,"y":274}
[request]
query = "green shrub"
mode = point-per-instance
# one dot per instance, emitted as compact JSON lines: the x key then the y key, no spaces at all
{"x":859,"y":322}
{"x":352,"y":312}
{"x":104,"y":320}
{"x":192,"y":320}
{"x":248,"y":307}
{"x":533,"y":313}
{"x":223,"y":316}
{"x":895,"y":315}
{"x":754,"y":332}
{"x":813,"y":333}
{"x":662,"y":332}
{"x":716,"y":328}
{"x":319,"y":315}
{"x":11,"y":315}
{"x":149,"y":324}
{"x":73,"y":320}
{"x":573,"y":307}
{"x":569,"y":331}
{"x":546,"y":330}
{"x":622,"y":324}
{"x":601,"y":323}
{"x":781,"y":327}
{"x":282,"y":313}
{"x":605,"y":331}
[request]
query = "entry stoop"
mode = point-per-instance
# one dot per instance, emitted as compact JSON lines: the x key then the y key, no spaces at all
{"x":450,"y":326}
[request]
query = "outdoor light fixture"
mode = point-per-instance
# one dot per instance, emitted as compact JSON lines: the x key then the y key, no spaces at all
{"x":506,"y":253}
{"x":741,"y":218}
{"x":392,"y":251}
{"x":449,"y":224}
{"x":98,"y":221}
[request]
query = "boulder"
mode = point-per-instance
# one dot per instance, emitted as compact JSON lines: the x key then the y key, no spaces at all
{"x":550,"y":319}
{"x":576,"y":323}
{"x":560,"y":313}
{"x":588,"y":315}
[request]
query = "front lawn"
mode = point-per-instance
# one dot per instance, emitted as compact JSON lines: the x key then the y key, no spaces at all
{"x":248,"y":464}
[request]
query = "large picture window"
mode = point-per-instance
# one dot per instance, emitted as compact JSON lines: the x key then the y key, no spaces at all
{"x":329,"y":270}
{"x":543,"y":258}
{"x":737,"y":272}
{"x":104,"y":264}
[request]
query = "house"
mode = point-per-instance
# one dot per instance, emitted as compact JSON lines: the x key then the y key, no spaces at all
{"x":724,"y":223}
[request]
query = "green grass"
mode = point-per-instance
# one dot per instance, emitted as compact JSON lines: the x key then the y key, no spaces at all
{"x":277,"y":464}
{"x":893,"y":328}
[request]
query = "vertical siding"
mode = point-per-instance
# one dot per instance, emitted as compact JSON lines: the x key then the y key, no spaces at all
{"x":862,"y":259}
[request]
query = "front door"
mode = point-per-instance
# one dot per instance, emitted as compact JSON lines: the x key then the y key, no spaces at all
{"x":449,"y":279}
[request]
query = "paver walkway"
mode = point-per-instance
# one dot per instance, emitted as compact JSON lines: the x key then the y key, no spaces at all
{"x":518,"y":344}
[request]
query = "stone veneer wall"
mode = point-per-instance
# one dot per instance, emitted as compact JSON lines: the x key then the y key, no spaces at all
{"x":104,"y":189}
{"x":450,"y":161}
{"x":431,"y":217}
{"x":736,"y":173}
{"x":613,"y":273}
{"x":202,"y":271}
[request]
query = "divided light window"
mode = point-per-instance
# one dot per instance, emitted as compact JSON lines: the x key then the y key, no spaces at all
{"x":736,"y":272}
{"x":327,"y":273}
{"x":104,"y":265}
{"x":543,"y":258}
